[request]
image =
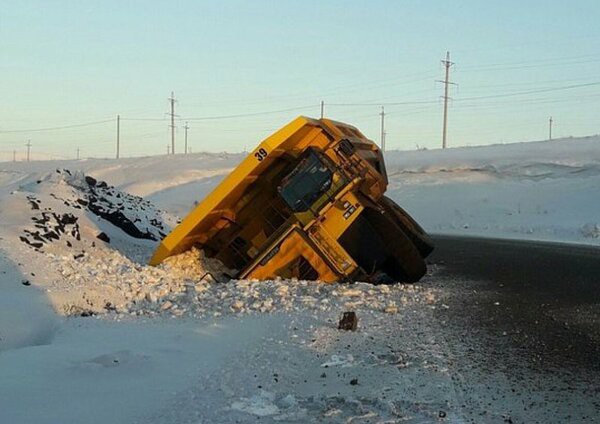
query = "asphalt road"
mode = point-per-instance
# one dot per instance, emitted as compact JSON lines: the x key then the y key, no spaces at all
{"x":530,"y":312}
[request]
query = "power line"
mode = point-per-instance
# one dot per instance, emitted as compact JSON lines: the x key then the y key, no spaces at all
{"x":416,"y":102}
{"x":353,"y":87}
{"x":28,"y":149}
{"x":56,"y":128}
{"x":244,"y":115}
{"x":172,"y":114}
{"x":382,"y":114}
{"x":118,"y":135}
{"x":521,"y":93}
{"x":490,"y":96}
{"x":143,"y":119}
{"x":572,"y":60}
{"x":447,"y":64}
{"x":186,"y":128}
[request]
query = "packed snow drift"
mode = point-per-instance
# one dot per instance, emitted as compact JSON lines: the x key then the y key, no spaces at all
{"x":546,"y":190}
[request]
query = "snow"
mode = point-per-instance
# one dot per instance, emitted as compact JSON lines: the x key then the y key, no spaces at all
{"x":97,"y":371}
{"x":547,"y":190}
{"x":89,"y":333}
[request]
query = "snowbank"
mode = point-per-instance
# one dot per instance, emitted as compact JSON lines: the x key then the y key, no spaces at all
{"x":548,"y":190}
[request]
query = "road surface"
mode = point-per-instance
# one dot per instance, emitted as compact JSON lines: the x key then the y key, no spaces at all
{"x":530,"y":312}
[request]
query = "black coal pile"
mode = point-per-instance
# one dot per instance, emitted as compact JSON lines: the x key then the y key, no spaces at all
{"x":125,"y":211}
{"x":130,"y":214}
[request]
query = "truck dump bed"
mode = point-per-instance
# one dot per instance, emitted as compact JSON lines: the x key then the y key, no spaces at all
{"x":307,"y":203}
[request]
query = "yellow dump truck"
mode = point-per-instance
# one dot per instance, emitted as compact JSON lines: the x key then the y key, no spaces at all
{"x":307,"y":203}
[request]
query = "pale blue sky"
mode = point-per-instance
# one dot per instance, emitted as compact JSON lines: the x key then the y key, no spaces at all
{"x":73,"y":62}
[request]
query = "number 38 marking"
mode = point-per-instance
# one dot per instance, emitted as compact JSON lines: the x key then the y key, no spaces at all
{"x":260,"y":154}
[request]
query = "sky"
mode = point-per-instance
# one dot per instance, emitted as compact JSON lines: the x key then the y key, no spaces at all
{"x":241,"y":69}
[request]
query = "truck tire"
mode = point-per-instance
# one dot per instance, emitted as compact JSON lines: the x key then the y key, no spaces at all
{"x":402,"y":260}
{"x":411,"y":228}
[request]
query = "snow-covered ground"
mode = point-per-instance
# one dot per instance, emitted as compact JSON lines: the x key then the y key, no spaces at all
{"x":547,"y":190}
{"x":89,"y":333}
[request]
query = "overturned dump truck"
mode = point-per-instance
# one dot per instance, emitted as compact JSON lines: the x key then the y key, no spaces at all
{"x":307,"y":203}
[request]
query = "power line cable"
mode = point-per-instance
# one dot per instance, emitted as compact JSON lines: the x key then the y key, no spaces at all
{"x":56,"y":128}
{"x":521,"y":93}
{"x":244,"y":115}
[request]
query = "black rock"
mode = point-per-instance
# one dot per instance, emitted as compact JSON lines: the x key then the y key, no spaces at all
{"x":102,"y":236}
{"x":34,"y":244}
{"x":354,"y":382}
{"x":51,"y":235}
{"x":348,"y":322}
{"x":91,"y":181}
{"x":68,"y":218}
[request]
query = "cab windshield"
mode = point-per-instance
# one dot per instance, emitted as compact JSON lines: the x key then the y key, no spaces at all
{"x":306,"y":183}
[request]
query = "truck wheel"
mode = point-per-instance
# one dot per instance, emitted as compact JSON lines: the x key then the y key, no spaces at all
{"x":411,"y":228}
{"x":403,"y":260}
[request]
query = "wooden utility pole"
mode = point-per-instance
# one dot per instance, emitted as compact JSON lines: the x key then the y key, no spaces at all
{"x":118,"y":135}
{"x":28,"y":149}
{"x":382,"y":114}
{"x":322,"y":108}
{"x":14,"y":155}
{"x":550,"y":128}
{"x":172,"y":102}
{"x":186,"y":128}
{"x":447,"y":64}
{"x":78,"y":153}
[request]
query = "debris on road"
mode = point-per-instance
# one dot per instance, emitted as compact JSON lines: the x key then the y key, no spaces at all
{"x":348,"y":322}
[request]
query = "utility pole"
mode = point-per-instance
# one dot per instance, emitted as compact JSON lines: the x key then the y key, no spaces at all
{"x":382,"y":114}
{"x":186,"y":128}
{"x":447,"y":64}
{"x":172,"y":102}
{"x":78,"y":153}
{"x":168,"y":149}
{"x":322,"y":108}
{"x":118,"y":135}
{"x":14,"y":155}
{"x":550,"y":128}
{"x":28,"y":149}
